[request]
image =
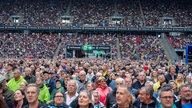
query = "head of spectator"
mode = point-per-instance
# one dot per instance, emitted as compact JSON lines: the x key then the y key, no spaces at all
{"x":142,"y":76}
{"x":58,"y":99}
{"x":149,"y":84}
{"x":27,"y":71}
{"x":154,"y":75}
{"x":9,"y":67}
{"x":52,"y":74}
{"x":32,"y":95}
{"x":98,"y":75}
{"x":145,"y":95}
{"x":188,"y":79}
{"x":23,"y":86}
{"x":128,"y":82}
{"x":85,"y":99}
{"x":113,"y":76}
{"x":119,"y":82}
{"x":102,"y":82}
{"x":3,"y":81}
{"x":185,"y":94}
{"x":3,"y":102}
{"x":32,"y":67}
{"x":174,"y":86}
{"x":72,"y":86}
{"x":161,"y":78}
{"x":123,"y":97}
{"x":172,"y":70}
{"x":96,"y":97}
{"x":19,"y":99}
{"x":166,"y":97}
{"x":45,"y":75}
{"x":82,"y":76}
{"x":17,"y":74}
{"x":39,"y":82}
{"x":90,"y":87}
{"x":180,"y":79}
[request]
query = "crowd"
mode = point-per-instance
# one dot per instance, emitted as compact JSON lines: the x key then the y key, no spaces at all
{"x":94,"y":83}
{"x":96,"y":13}
{"x":35,"y":45}
{"x":180,"y":42}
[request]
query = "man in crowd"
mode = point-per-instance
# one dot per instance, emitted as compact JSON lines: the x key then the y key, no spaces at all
{"x":32,"y":97}
{"x":166,"y":98}
{"x":82,"y":81}
{"x":141,"y":81}
{"x":44,"y":94}
{"x":14,"y":83}
{"x":185,"y":97}
{"x":111,"y":97}
{"x":146,"y":99}
{"x":71,"y":93}
{"x":171,"y":75}
{"x":123,"y":97}
{"x":30,"y":78}
{"x":50,"y":83}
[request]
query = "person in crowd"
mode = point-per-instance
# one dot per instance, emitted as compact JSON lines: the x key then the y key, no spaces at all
{"x":171,"y":75}
{"x":9,"y":94}
{"x":50,"y":83}
{"x":103,"y":89}
{"x":90,"y":87}
{"x":111,"y":97}
{"x":128,"y":82}
{"x":19,"y":99}
{"x":84,"y":100}
{"x":4,"y":101}
{"x":32,"y":97}
{"x":157,"y":85}
{"x":112,"y":78}
{"x":29,"y":77}
{"x":174,"y":87}
{"x":185,"y":97}
{"x":95,"y":79}
{"x":9,"y":72}
{"x":44,"y":94}
{"x":166,"y":98}
{"x":82,"y":81}
{"x":14,"y":83}
{"x":96,"y":102}
{"x":141,"y":81}
{"x":23,"y":86}
{"x":154,"y":76}
{"x":71,"y":93}
{"x":58,"y":87}
{"x":58,"y":100}
{"x":90,"y":74}
{"x":180,"y":79}
{"x":145,"y":98}
{"x":124,"y":98}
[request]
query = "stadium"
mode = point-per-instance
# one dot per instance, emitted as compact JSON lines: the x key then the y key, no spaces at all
{"x":107,"y":37}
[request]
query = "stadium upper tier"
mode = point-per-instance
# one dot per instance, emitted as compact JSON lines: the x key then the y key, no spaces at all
{"x":122,"y":13}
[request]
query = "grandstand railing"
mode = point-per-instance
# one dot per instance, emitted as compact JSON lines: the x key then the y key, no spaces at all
{"x":119,"y":29}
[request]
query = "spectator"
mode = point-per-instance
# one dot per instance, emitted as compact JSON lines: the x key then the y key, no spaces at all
{"x":166,"y":96}
{"x":32,"y":97}
{"x":58,"y":87}
{"x":171,"y":75}
{"x":124,"y":98}
{"x":44,"y":94}
{"x":50,"y":83}
{"x":146,"y":99}
{"x":19,"y":99}
{"x":71,"y":93}
{"x":23,"y":86}
{"x":29,"y":77}
{"x":111,"y":96}
{"x":141,"y":82}
{"x":103,"y":90}
{"x":90,"y":87}
{"x":14,"y":83}
{"x":96,"y":101}
{"x":185,"y":97}
{"x":58,"y":100}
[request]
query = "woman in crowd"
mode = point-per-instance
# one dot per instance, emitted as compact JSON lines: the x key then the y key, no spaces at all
{"x":154,"y":76}
{"x":174,"y":87}
{"x":103,"y":89}
{"x":19,"y":99}
{"x":84,"y":100}
{"x":58,"y":87}
{"x":58,"y":100}
{"x":96,"y":102}
{"x":23,"y":86}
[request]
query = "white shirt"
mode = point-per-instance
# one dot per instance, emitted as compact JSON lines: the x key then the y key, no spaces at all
{"x":68,"y":99}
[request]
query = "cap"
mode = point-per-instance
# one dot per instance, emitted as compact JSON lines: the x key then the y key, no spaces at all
{"x":2,"y":78}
